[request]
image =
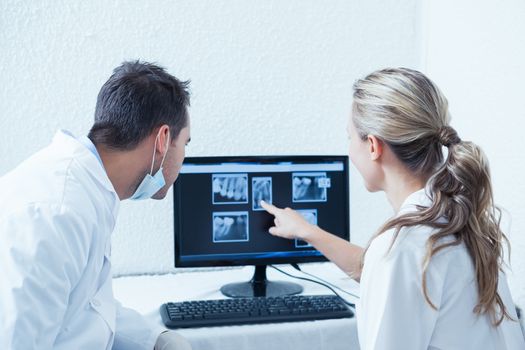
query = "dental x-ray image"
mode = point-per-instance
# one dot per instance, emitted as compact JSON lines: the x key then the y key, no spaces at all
{"x":230,"y":226}
{"x":309,"y":215}
{"x":261,"y":190}
{"x":310,"y":187}
{"x":230,"y":188}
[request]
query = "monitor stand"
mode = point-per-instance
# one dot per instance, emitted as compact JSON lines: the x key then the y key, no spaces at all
{"x":259,"y":286}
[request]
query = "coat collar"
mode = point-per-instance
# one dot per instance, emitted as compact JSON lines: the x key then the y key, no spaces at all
{"x":85,"y":157}
{"x":415,"y":199}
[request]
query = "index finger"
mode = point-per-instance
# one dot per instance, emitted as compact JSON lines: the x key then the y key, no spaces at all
{"x":272,"y":209}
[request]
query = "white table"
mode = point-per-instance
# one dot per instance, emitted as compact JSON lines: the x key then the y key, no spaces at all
{"x":146,"y":293}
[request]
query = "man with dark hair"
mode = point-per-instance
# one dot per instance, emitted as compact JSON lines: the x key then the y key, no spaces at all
{"x":59,"y":207}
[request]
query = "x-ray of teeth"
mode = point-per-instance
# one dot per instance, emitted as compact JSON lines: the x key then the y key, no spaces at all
{"x":301,"y":244}
{"x":309,"y":215}
{"x":261,"y":190}
{"x":309,"y":187}
{"x":230,"y":226}
{"x":230,"y":188}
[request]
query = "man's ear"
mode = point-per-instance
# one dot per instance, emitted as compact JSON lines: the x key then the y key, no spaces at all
{"x":375,"y":147}
{"x":163,"y":136}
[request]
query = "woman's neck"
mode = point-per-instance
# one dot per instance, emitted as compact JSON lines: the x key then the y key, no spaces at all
{"x":399,"y":185}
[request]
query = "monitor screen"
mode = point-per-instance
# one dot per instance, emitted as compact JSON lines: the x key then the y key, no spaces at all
{"x":218,"y":218}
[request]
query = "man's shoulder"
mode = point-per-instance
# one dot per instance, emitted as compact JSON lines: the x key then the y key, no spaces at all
{"x":39,"y":178}
{"x":51,"y":177}
{"x":65,"y":176}
{"x":53,"y":204}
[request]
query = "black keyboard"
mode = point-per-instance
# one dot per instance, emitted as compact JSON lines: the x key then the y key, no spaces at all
{"x":205,"y":313}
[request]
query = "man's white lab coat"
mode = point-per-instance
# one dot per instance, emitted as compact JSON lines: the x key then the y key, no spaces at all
{"x":57,"y":211}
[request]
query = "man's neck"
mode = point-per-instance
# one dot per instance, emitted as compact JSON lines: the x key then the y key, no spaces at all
{"x":122,"y":168}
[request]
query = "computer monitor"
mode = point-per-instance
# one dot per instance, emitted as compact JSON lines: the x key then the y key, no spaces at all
{"x":219,"y":221}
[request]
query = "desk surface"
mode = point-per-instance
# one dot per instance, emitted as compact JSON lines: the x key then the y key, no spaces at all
{"x":146,"y":293}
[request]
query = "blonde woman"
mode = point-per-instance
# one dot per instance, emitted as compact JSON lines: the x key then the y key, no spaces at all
{"x":431,"y":278}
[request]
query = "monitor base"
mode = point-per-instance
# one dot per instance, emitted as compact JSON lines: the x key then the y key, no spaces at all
{"x":259,"y":286}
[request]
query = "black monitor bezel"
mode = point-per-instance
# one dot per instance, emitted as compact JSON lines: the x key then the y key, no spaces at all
{"x":260,"y":159}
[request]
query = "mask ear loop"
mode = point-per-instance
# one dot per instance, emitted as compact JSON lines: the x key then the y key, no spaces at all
{"x":163,"y":157}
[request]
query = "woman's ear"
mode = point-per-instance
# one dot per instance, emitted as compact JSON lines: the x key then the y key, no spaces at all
{"x":375,"y":147}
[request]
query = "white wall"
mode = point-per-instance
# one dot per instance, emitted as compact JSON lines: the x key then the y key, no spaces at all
{"x":268,"y":77}
{"x":475,"y":51}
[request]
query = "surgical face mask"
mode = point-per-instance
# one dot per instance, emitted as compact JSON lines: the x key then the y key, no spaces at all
{"x":151,"y":184}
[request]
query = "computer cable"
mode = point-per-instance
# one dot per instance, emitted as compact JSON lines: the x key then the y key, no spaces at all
{"x":314,"y":281}
{"x":298,"y":268}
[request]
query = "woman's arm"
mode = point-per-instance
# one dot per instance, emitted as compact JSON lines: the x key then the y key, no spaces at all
{"x":347,"y":256}
{"x":290,"y":224}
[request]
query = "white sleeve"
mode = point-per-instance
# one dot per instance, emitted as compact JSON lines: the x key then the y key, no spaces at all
{"x":393,"y":311}
{"x":42,"y":255}
{"x":134,"y":331}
